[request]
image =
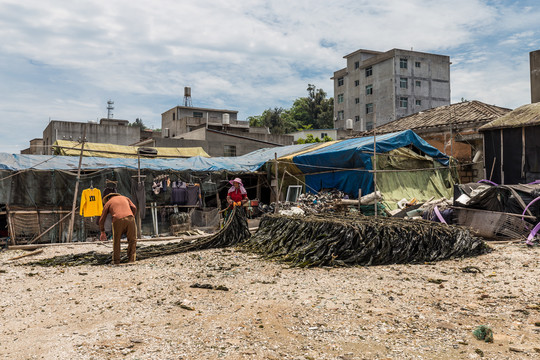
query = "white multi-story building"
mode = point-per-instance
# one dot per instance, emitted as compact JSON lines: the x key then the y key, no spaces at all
{"x":378,"y":87}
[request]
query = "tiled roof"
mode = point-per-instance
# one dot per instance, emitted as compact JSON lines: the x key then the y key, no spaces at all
{"x":464,"y":114}
{"x":526,"y":115}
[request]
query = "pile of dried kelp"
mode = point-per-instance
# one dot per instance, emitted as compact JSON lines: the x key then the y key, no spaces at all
{"x":234,"y":231}
{"x":319,"y":240}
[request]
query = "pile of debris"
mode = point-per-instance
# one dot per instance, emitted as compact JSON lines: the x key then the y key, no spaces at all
{"x":323,"y":202}
{"x":322,"y":240}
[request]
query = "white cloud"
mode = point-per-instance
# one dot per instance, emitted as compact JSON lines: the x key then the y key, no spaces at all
{"x":67,"y":59}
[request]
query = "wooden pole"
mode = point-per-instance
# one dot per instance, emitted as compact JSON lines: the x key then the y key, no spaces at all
{"x":276,"y":209}
{"x":138,"y":215}
{"x":11,"y":227}
{"x":502,"y":157}
{"x":49,"y":229}
{"x":73,"y":207}
{"x":375,"y":160}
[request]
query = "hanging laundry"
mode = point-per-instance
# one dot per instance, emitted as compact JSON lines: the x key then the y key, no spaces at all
{"x":178,"y":193}
{"x":138,"y":195}
{"x":91,"y":203}
{"x":193,"y":194}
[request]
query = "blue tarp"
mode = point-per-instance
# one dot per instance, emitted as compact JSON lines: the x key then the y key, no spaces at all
{"x":334,"y":160}
{"x":356,"y":154}
{"x":241,"y":164}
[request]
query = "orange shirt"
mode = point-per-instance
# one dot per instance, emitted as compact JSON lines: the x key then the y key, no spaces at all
{"x":119,"y":207}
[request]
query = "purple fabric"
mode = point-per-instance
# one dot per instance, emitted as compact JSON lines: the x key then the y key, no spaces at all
{"x":439,"y":216}
{"x":487,"y":181}
{"x":527,"y":207}
{"x":533,"y":234}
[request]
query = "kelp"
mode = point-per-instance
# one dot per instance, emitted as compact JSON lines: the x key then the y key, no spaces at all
{"x":319,"y":240}
{"x":234,"y":231}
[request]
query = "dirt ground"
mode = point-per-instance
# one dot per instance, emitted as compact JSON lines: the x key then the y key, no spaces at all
{"x":150,"y":311}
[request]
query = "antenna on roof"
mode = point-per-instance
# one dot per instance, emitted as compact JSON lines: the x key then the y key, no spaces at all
{"x":187,"y":97}
{"x":110,"y":108}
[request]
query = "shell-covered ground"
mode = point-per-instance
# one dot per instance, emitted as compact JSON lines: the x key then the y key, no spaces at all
{"x":244,"y":307}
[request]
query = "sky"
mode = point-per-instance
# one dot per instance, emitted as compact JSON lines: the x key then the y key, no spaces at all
{"x":63,"y":60}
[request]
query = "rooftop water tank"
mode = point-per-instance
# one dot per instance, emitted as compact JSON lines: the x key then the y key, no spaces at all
{"x":225,"y":119}
{"x":348,"y":124}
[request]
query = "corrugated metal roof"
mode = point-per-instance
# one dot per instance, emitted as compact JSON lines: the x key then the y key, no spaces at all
{"x":526,"y":115}
{"x":469,"y":113}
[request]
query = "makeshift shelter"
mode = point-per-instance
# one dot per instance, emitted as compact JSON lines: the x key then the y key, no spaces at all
{"x":511,"y":148}
{"x":38,"y":190}
{"x":407,"y":166}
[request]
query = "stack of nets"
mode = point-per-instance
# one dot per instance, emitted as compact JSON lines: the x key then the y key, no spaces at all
{"x":234,"y":231}
{"x":319,"y":240}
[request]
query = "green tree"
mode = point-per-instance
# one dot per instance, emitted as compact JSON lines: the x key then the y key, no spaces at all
{"x":139,"y":123}
{"x":311,"y":139}
{"x":274,"y":120}
{"x":315,"y":110}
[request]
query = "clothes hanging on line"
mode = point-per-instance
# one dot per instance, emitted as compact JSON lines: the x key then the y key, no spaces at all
{"x":91,"y":203}
{"x":138,"y":195}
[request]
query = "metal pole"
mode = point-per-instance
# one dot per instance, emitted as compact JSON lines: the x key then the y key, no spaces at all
{"x":74,"y":206}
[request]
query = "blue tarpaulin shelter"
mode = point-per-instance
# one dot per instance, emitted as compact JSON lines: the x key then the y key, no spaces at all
{"x":345,"y":165}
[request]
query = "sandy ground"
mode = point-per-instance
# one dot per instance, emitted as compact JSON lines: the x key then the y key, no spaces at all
{"x":149,"y":311}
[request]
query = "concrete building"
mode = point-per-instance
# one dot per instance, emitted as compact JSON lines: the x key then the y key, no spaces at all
{"x":534,"y":60}
{"x":383,"y":86}
{"x":217,"y":131}
{"x":111,"y":131}
{"x":36,"y":147}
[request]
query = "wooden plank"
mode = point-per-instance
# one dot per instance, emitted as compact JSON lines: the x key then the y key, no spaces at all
{"x":25,"y":255}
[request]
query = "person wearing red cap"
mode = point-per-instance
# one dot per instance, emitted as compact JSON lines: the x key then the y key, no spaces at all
{"x":237,"y":194}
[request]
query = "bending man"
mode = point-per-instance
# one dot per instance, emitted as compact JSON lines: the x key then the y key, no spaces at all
{"x":122,"y":211}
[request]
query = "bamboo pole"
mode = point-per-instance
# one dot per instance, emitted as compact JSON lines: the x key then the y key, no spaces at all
{"x":276,"y":209}
{"x":72,"y":220}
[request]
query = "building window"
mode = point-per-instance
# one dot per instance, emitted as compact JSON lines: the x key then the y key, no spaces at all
{"x":369,"y":89}
{"x":356,"y":82}
{"x":403,"y":83}
{"x":403,"y":63}
{"x":369,"y":108}
{"x":418,"y":102}
{"x":357,"y":118}
{"x":357,"y":100}
{"x":403,"y":102}
{"x":417,"y":64}
{"x":197,"y":114}
{"x":418,"y":83}
{"x":369,"y":71}
{"x":340,"y":115}
{"x":173,"y":116}
{"x":356,"y":65}
{"x":340,"y":98}
{"x":323,"y":135}
{"x":369,"y":125}
{"x":229,"y":150}
{"x":340,"y":81}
